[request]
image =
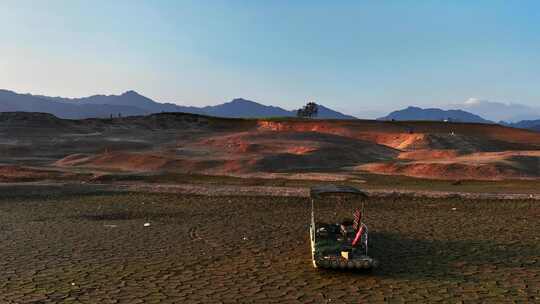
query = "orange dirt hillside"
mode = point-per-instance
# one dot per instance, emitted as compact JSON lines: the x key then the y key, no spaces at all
{"x":186,"y":143}
{"x":418,"y":134}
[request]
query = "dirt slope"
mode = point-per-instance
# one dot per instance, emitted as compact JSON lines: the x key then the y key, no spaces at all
{"x":419,"y":134}
{"x":481,"y":166}
{"x":189,"y":143}
{"x":245,"y":152}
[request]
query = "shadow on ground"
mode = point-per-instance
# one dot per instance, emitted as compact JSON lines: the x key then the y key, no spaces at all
{"x":403,"y":257}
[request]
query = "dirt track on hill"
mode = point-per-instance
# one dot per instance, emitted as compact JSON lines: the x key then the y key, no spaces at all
{"x":95,"y":248}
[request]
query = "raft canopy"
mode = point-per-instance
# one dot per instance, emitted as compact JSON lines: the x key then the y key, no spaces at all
{"x":328,"y":190}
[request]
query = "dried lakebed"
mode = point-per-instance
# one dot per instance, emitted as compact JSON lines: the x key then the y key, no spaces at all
{"x":178,"y":248}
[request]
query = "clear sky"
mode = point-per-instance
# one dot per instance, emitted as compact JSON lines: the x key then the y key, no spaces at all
{"x":350,"y":55}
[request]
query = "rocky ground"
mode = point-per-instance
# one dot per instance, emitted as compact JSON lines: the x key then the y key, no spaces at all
{"x":74,"y":246}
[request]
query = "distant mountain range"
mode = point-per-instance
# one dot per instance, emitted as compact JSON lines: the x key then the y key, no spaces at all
{"x":435,"y":114}
{"x":416,"y":113}
{"x":132,"y":103}
{"x":526,"y":124}
{"x":498,"y":111}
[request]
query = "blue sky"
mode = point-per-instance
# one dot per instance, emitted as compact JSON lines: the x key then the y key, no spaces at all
{"x":356,"y":56}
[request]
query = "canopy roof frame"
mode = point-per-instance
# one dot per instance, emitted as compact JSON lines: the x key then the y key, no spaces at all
{"x":324,"y":190}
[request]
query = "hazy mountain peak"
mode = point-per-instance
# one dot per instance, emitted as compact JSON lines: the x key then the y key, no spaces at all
{"x":472,"y":101}
{"x":498,"y":111}
{"x":130,"y":93}
{"x":417,"y":113}
{"x":6,"y":91}
{"x":242,"y":100}
{"x":413,"y":108}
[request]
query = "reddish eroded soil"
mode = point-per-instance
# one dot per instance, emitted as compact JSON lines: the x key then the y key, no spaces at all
{"x":116,"y":160}
{"x":244,"y":152}
{"x":428,"y":154}
{"x":439,"y":150}
{"x":447,"y":165}
{"x":397,"y":133}
{"x":12,"y":173}
{"x":453,"y":171}
{"x":186,"y":143}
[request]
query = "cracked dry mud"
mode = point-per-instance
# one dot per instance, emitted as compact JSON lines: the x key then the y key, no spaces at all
{"x":95,"y":248}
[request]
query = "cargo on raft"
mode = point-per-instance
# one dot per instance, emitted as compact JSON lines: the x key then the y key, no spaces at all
{"x":337,"y":241}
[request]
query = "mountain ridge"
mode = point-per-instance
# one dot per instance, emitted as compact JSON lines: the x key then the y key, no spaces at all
{"x":498,"y":111}
{"x":132,"y":103}
{"x":434,"y":114}
{"x":525,"y":124}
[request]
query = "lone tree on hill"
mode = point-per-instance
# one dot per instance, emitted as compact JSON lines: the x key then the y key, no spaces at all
{"x":310,"y":110}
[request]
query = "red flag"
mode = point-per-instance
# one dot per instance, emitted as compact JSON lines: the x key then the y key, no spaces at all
{"x":357,"y":219}
{"x":358,"y":235}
